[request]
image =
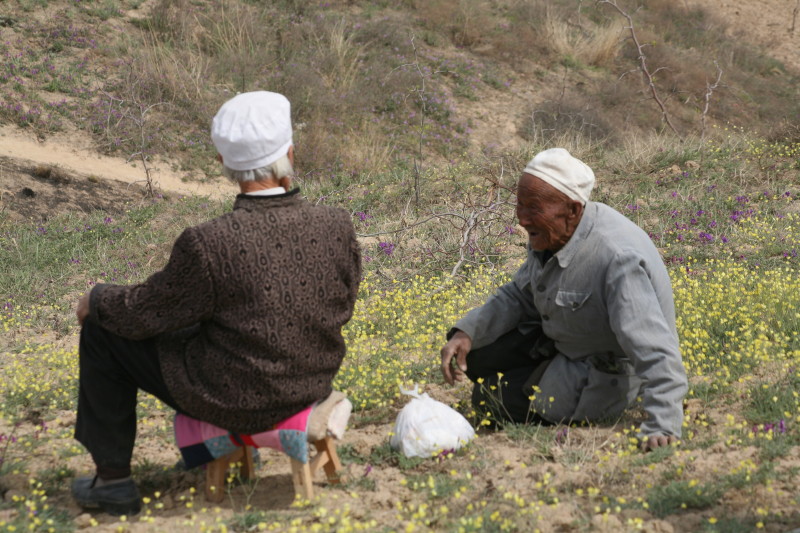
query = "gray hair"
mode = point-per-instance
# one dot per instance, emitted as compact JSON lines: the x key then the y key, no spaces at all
{"x":277,"y":170}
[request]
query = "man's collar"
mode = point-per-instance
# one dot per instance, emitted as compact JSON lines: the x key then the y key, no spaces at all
{"x":249,"y":201}
{"x":565,"y":254}
{"x":272,"y":191}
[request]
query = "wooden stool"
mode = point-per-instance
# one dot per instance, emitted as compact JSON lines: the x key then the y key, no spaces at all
{"x":302,"y":473}
{"x":218,"y":468}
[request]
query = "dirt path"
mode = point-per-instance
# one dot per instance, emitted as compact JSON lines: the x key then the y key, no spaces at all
{"x":74,"y":154}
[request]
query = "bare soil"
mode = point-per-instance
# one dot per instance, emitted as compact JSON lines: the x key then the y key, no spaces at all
{"x":39,"y":179}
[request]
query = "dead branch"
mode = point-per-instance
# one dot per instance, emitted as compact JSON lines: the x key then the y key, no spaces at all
{"x":709,"y":91}
{"x":471,"y":221}
{"x":646,"y":74}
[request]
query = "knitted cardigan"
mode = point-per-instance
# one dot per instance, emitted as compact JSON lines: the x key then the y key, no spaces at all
{"x":247,"y":313}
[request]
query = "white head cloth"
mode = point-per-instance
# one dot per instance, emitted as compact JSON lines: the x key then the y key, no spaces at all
{"x":252,"y":130}
{"x":568,"y":174}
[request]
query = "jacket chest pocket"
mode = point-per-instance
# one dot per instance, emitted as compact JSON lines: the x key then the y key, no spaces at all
{"x":572,"y":300}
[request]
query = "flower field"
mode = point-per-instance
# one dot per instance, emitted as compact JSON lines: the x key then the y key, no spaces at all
{"x":731,"y":249}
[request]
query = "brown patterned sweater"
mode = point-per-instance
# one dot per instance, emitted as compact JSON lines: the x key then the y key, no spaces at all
{"x":248,"y":311}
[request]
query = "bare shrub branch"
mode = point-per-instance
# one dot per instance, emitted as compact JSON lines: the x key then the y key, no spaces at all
{"x":710,"y":88}
{"x":646,"y":74}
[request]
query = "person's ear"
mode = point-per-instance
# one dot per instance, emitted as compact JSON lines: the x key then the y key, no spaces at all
{"x":219,"y":158}
{"x":575,"y":209}
{"x":290,"y":154}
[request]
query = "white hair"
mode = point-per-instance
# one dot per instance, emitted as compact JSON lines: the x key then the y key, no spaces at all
{"x":277,"y":170}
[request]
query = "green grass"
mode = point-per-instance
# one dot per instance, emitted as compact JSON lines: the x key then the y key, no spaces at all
{"x":773,"y":402}
{"x":677,"y":496}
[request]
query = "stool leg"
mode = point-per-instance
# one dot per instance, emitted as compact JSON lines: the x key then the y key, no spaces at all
{"x":332,"y":467}
{"x":247,"y":470}
{"x":301,"y":477}
{"x":216,"y":472}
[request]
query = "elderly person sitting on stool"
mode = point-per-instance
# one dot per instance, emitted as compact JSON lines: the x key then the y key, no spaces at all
{"x":586,"y":324}
{"x":242,"y":327}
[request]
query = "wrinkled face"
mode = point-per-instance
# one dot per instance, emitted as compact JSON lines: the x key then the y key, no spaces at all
{"x":548,"y":215}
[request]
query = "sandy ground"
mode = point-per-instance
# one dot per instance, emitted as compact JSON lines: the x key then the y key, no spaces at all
{"x":767,"y":23}
{"x":74,"y":154}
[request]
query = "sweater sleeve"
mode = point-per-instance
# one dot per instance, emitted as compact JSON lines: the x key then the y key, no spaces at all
{"x":178,"y":296}
{"x":644,"y":333}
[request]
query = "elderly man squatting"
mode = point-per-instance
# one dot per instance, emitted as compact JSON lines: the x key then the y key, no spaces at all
{"x":587,"y":323}
{"x":241,"y":328}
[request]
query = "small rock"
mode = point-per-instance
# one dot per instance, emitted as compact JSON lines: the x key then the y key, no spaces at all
{"x":694,"y":406}
{"x":658,"y":526}
{"x":13,"y":494}
{"x":8,"y":514}
{"x":168,"y":502}
{"x":18,"y":482}
{"x":694,"y":165}
{"x":675,"y":169}
{"x":606,"y":523}
{"x":83,"y":521}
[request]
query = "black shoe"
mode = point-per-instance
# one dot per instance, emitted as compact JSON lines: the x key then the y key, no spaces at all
{"x":120,"y":498}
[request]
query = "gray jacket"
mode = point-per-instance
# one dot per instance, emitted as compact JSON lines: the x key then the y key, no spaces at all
{"x":605,"y":299}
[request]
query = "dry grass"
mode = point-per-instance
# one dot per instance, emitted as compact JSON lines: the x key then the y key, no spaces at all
{"x":341,"y":56}
{"x":468,"y":22}
{"x":591,"y":44}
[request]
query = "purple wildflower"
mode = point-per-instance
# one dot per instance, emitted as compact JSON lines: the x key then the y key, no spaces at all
{"x":561,"y":435}
{"x":387,"y":247}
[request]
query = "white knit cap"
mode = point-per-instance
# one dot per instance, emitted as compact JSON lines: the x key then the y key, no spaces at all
{"x":568,"y":174}
{"x":252,"y":130}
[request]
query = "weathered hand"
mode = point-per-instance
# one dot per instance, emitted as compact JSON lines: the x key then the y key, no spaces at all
{"x":82,"y":310}
{"x":658,"y":441}
{"x":458,"y":346}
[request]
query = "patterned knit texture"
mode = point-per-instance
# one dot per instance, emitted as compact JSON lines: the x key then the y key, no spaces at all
{"x":248,"y":311}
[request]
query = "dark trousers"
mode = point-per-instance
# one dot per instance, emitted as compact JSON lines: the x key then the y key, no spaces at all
{"x":506,"y":398}
{"x":112,"y":370}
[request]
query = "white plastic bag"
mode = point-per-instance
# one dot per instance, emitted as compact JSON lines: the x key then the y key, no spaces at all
{"x":425,"y":427}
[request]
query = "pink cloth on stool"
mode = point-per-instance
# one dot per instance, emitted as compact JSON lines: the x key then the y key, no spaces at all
{"x":201,"y":442}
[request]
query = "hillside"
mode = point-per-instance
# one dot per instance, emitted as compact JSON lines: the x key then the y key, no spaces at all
{"x":376,"y":84}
